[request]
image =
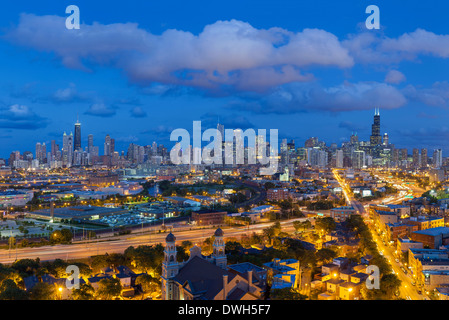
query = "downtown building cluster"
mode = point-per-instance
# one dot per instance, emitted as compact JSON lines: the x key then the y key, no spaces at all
{"x":72,"y":153}
{"x":377,"y":151}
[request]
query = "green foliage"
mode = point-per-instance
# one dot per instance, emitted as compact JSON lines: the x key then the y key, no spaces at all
{"x":325,"y":255}
{"x":148,"y":283}
{"x":61,"y":236}
{"x":10,"y":291}
{"x":302,"y":225}
{"x":237,"y":198}
{"x":320,"y":205}
{"x":44,"y":291}
{"x":26,"y":266}
{"x":85,"y":292}
{"x":108,"y":289}
{"x":286,"y":294}
{"x":146,"y":258}
{"x":327,"y":224}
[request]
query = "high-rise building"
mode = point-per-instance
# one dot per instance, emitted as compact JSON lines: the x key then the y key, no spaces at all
{"x":376,"y":138}
{"x":107,"y":145}
{"x":112,"y":146}
{"x":404,"y":154}
{"x":77,"y":140}
{"x":154,"y":148}
{"x":385,"y":142}
{"x":311,"y":142}
{"x":358,"y":159}
{"x":53,"y":148}
{"x":437,"y":158}
{"x":221,"y":129}
{"x":416,"y":158}
{"x":354,"y":140}
{"x":339,"y":159}
{"x":90,"y":143}
{"x":424,"y":158}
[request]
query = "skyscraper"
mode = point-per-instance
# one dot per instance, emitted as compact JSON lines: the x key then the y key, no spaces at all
{"x":90,"y":143}
{"x":107,"y":145}
{"x":339,"y":159}
{"x":386,"y":142}
{"x":416,"y":158}
{"x":437,"y":158}
{"x":77,"y":139}
{"x":424,"y":157}
{"x":376,"y":138}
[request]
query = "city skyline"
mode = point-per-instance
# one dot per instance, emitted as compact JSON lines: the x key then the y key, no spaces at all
{"x":400,"y":68}
{"x":75,"y":143}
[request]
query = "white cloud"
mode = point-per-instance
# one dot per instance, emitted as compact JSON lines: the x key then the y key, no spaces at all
{"x":394,"y":77}
{"x":229,"y":53}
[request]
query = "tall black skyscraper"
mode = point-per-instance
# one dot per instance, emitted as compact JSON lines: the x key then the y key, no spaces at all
{"x":376,"y":138}
{"x":77,"y":138}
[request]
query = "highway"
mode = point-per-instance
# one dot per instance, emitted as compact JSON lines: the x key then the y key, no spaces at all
{"x":407,"y":290}
{"x":87,"y":249}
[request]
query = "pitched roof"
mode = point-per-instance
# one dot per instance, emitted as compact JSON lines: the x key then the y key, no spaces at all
{"x":203,"y":277}
{"x":236,"y":294}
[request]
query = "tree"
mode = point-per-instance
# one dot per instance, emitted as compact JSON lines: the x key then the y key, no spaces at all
{"x":269,"y":185}
{"x":148,"y":283}
{"x":286,"y":294}
{"x":109,"y":288}
{"x":237,"y":198}
{"x":43,"y":291}
{"x":85,"y":292}
{"x":10,"y":291}
{"x":325,"y":255}
{"x":85,"y":270}
{"x":302,"y":225}
{"x":186,"y":245}
{"x":146,"y":258}
{"x":56,"y":267}
{"x":99,"y":262}
{"x":28,"y":266}
{"x":66,"y":235}
{"x":327,"y":224}
{"x":389,"y":284}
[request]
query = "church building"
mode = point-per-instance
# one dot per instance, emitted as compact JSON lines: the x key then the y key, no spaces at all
{"x":206,"y":277}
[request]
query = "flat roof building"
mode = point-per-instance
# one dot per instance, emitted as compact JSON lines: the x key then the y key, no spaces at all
{"x":78,"y":213}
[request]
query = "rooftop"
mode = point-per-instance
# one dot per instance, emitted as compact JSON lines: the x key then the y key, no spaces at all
{"x":245,"y":267}
{"x":434,"y":231}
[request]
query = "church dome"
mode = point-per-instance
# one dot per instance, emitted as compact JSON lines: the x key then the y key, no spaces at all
{"x":218,"y":233}
{"x":170,"y":238}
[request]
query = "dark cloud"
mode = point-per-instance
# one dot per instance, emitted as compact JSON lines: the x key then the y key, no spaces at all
{"x":435,"y":96}
{"x":138,"y":112}
{"x":21,"y":117}
{"x":296,"y":98}
{"x":101,"y":110}
{"x":160,"y":130}
{"x":435,"y":137}
{"x":69,"y":94}
{"x":229,"y":121}
{"x":350,"y":126}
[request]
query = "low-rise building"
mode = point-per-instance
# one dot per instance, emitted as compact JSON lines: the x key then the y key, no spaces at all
{"x":403,"y":244}
{"x":432,"y":238}
{"x":342,"y":213}
{"x":283,"y":272}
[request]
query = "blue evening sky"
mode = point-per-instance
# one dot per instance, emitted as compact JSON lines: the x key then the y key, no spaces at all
{"x":141,"y":84}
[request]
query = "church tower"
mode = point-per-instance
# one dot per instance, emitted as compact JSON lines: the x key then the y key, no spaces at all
{"x":170,"y":267}
{"x":219,"y":250}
